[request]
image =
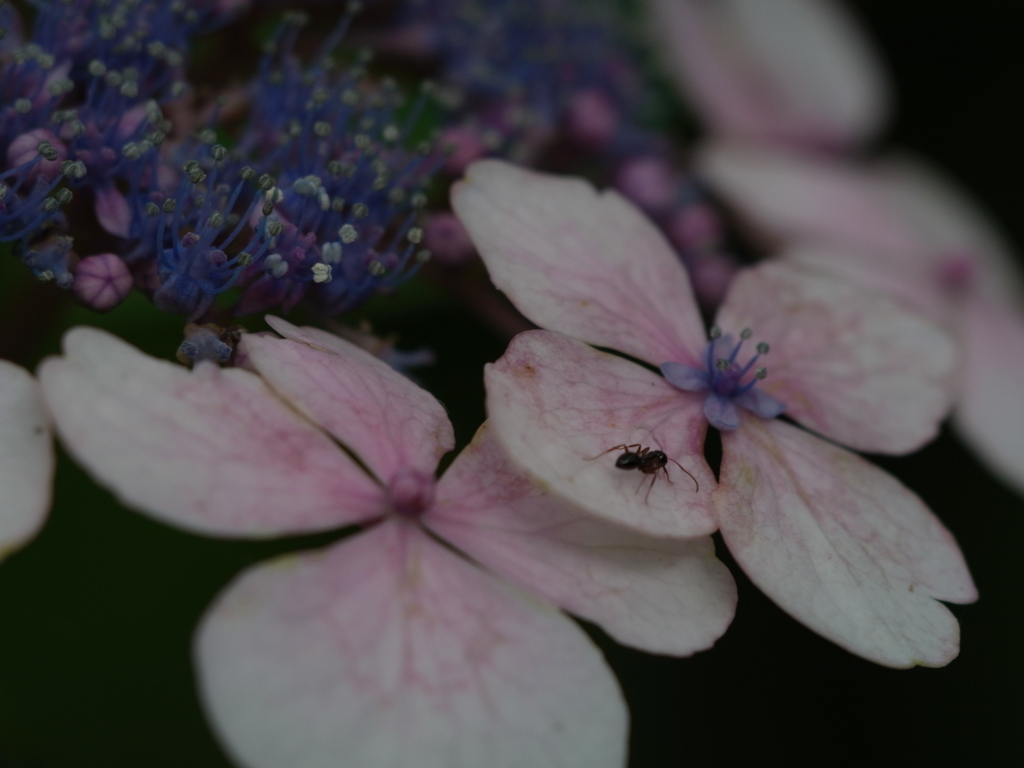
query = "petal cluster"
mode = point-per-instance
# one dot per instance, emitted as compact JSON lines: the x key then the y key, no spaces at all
{"x":899,"y":227}
{"x":391,"y":645}
{"x":847,"y":364}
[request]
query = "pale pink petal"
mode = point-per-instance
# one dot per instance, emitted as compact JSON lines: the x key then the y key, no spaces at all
{"x":847,"y":363}
{"x":990,"y":412}
{"x":558,"y":406}
{"x":951,"y":225}
{"x":902,"y":280}
{"x":388,"y":421}
{"x":790,"y":196}
{"x":209,"y":450}
{"x":913,"y":219}
{"x":795,"y":72}
{"x":580,"y":262}
{"x":112,"y":211}
{"x":840,"y":545}
{"x":661,"y":595}
{"x":390,"y":650}
{"x":26,"y":458}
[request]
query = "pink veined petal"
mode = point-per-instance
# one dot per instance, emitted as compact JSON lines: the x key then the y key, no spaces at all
{"x":581,"y":262}
{"x":840,"y":545}
{"x":378,"y":413}
{"x":112,"y":211}
{"x":390,"y":650}
{"x":558,"y":407}
{"x":908,"y":282}
{"x":661,"y":595}
{"x":795,"y":72}
{"x":990,"y":413}
{"x":951,"y":224}
{"x":26,"y":458}
{"x":847,"y":363}
{"x":790,"y":196}
{"x":209,"y":450}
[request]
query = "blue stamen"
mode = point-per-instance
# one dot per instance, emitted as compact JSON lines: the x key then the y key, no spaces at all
{"x":726,"y":382}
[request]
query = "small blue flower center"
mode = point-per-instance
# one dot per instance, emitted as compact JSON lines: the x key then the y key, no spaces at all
{"x":728,"y":381}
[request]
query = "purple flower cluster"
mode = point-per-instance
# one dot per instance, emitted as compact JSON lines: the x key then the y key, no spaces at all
{"x":314,"y":196}
{"x":80,"y":108}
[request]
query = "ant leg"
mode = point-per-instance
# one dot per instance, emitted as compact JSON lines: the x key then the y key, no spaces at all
{"x":654,"y":476}
{"x":695,"y":483}
{"x":613,"y":448}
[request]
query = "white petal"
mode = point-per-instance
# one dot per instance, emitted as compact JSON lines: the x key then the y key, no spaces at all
{"x":796,"y":72}
{"x":840,"y":545}
{"x":26,"y":457}
{"x":389,"y":422}
{"x":559,"y":408}
{"x":661,"y":595}
{"x":581,"y":262}
{"x":990,"y":413}
{"x":847,"y":363}
{"x":390,"y":650}
{"x":210,"y":450}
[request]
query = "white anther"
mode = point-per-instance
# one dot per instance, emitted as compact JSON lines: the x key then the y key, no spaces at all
{"x":331,"y":252}
{"x":348,"y":234}
{"x":321,"y":273}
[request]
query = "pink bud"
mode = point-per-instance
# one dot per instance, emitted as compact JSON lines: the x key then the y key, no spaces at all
{"x":649,"y":182}
{"x":131,"y":120}
{"x":112,"y":211}
{"x":447,"y":239}
{"x":231,"y":7}
{"x":592,"y":119}
{"x":695,"y":227}
{"x":465,"y":146}
{"x":101,"y":282}
{"x":711,"y":276}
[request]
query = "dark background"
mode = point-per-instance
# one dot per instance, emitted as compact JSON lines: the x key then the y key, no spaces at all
{"x":96,"y":615}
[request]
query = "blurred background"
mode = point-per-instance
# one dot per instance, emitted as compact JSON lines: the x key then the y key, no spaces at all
{"x":96,"y":615}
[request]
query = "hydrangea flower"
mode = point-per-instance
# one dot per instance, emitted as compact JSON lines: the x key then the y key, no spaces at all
{"x":789,"y":72}
{"x":899,"y":227}
{"x":836,"y":542}
{"x":81,"y":109}
{"x":26,"y":458}
{"x":391,"y":647}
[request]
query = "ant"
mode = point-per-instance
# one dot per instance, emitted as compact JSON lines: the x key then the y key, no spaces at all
{"x":647,"y":461}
